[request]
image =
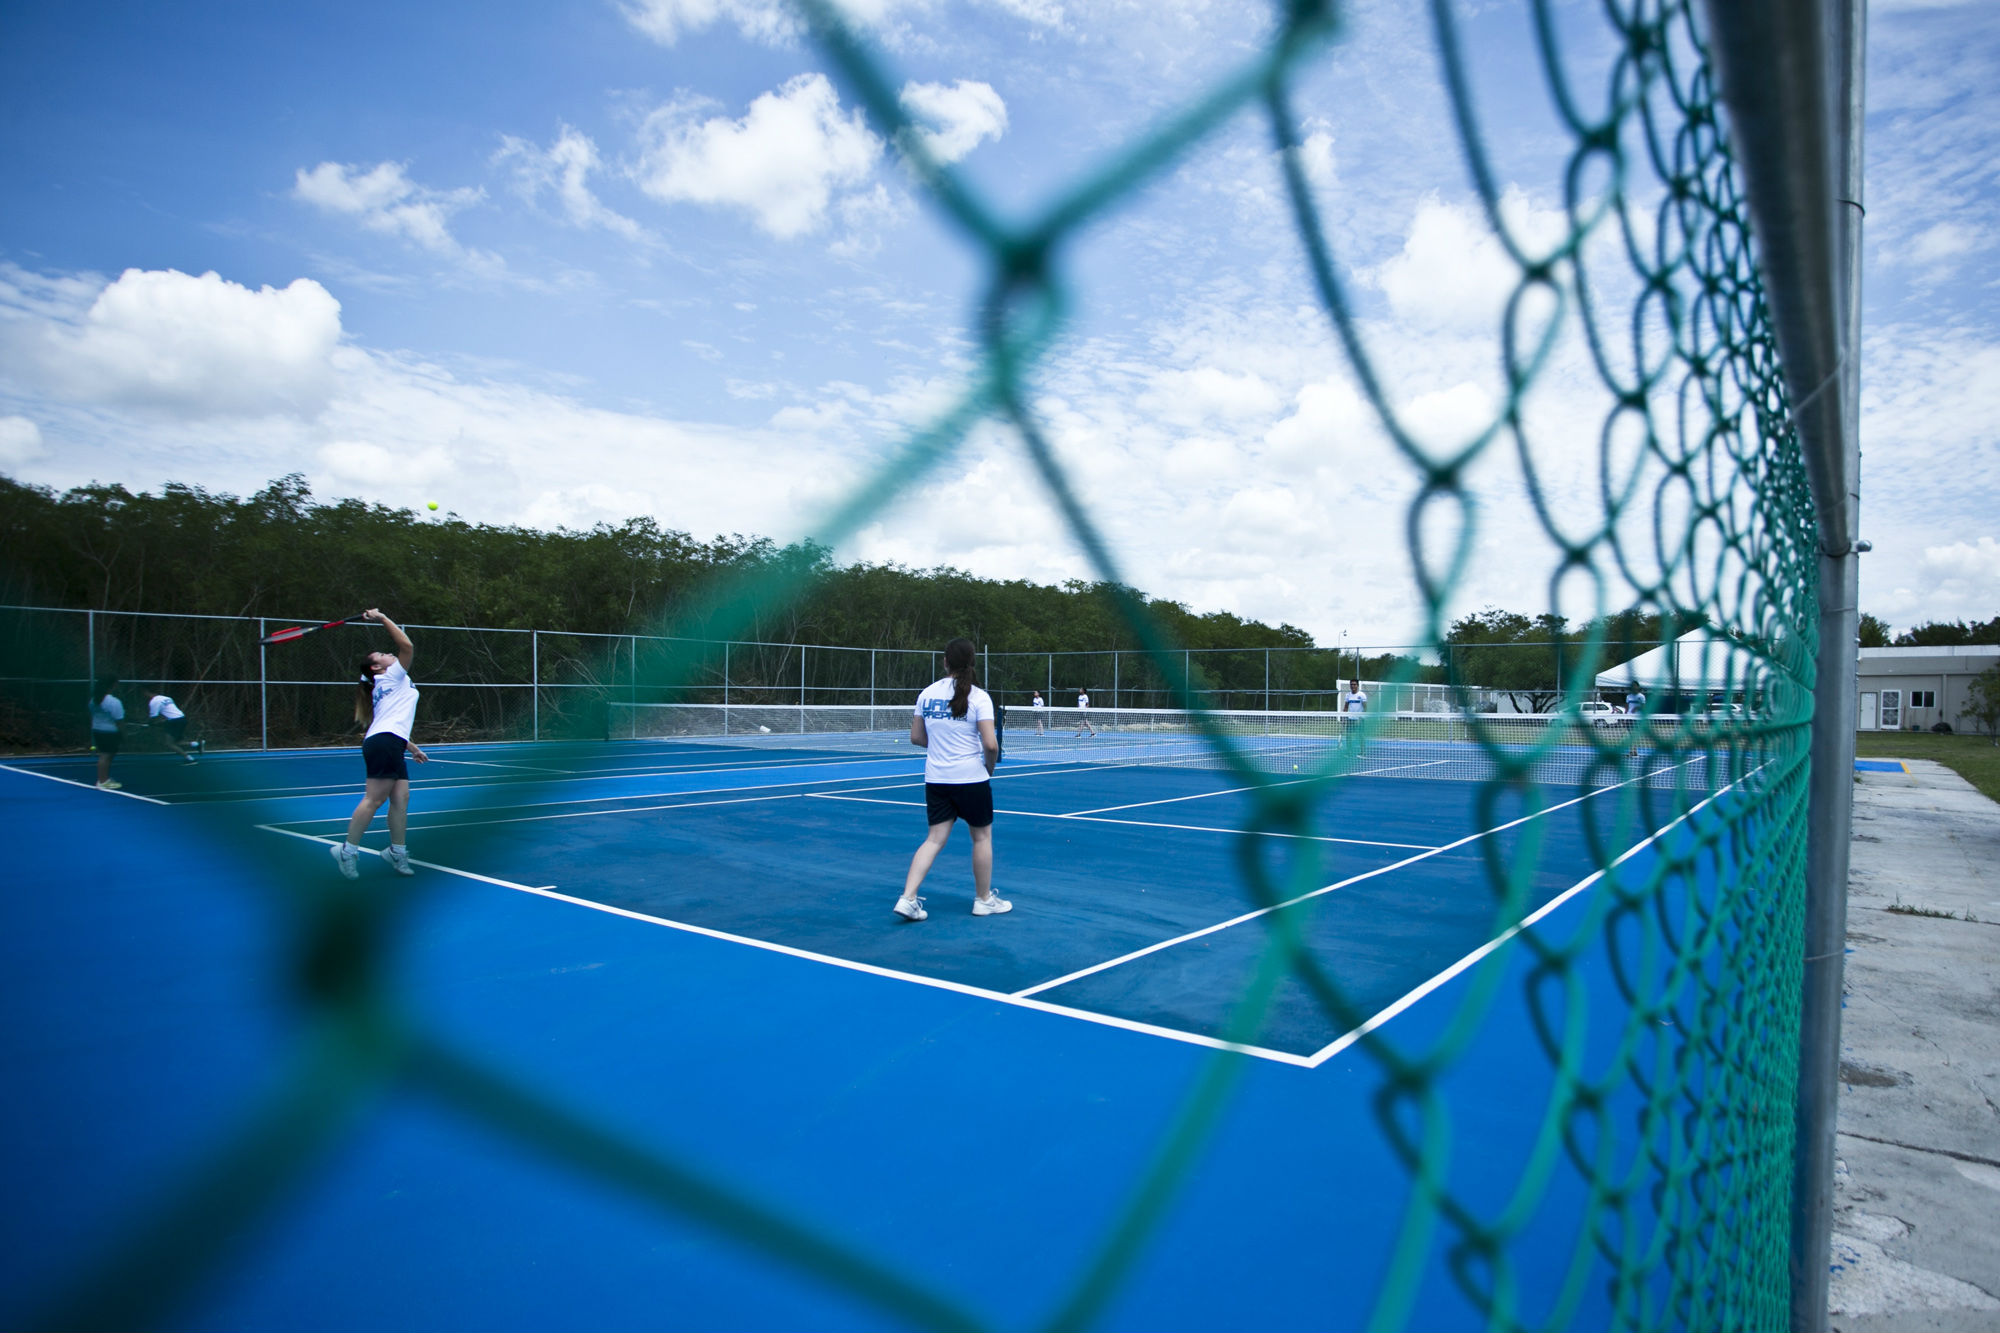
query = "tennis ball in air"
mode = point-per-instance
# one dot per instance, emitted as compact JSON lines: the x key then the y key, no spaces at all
{"x":432,"y":505}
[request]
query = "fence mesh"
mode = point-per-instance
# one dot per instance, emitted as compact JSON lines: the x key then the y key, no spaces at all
{"x":1667,"y":1017}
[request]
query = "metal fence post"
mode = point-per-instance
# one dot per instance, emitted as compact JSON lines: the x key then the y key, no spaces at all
{"x":535,"y":674}
{"x":263,"y":690}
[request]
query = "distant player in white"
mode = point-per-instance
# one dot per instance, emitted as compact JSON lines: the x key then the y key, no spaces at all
{"x":1355,"y":705}
{"x":953,"y":721}
{"x":1041,"y":708}
{"x":385,"y":700}
{"x":1635,"y":702}
{"x":1083,"y":727}
{"x":172,"y":722}
{"x":107,"y":729}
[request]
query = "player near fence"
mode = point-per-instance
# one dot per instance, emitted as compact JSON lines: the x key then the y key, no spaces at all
{"x":107,"y":728}
{"x":1083,"y":727}
{"x":1041,"y":711}
{"x":1354,"y":704}
{"x":954,"y":723}
{"x":163,"y":712}
{"x":386,"y":703}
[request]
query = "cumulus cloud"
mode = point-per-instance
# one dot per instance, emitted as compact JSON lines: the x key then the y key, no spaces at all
{"x":1208,"y":392}
{"x":956,"y":117}
{"x":197,"y":347}
{"x":383,"y":198}
{"x":563,"y":169}
{"x":783,"y":162}
{"x":1453,"y":272}
{"x":20,"y":440}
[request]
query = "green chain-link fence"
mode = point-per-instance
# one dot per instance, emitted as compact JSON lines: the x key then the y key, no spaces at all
{"x":1667,"y":1011}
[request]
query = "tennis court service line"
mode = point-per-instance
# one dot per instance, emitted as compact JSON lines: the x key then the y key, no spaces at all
{"x":337,"y":788}
{"x":1138,"y":823}
{"x":847,"y":964}
{"x":1342,"y":1042}
{"x":1254,"y":913}
{"x":1264,"y":786}
{"x":567,"y":814}
{"x":610,"y":809}
{"x":87,"y":786}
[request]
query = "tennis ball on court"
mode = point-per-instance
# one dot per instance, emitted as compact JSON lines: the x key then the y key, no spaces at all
{"x":432,"y":505}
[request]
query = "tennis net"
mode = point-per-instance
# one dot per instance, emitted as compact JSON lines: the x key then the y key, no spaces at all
{"x":1694,"y":752}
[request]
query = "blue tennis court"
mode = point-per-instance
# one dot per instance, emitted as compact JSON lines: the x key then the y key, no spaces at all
{"x":691,"y":944}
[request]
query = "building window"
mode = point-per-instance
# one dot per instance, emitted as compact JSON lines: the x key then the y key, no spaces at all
{"x":1923,"y":698}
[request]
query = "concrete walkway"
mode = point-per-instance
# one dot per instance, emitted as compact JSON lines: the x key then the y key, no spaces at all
{"x":1916,"y":1241}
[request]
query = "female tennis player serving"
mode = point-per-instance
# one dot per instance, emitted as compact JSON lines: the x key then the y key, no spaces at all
{"x":953,"y":721}
{"x":386,"y":702}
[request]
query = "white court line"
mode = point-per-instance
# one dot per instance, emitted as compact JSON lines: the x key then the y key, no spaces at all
{"x":335,"y":789}
{"x":1138,"y":823}
{"x":869,"y":969}
{"x":1324,"y":889}
{"x":1341,"y":1043}
{"x":87,"y":786}
{"x":488,"y":763}
{"x":571,"y":814}
{"x":1231,"y":791}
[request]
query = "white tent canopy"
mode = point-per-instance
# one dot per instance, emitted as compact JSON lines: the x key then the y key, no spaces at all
{"x":1699,"y":662}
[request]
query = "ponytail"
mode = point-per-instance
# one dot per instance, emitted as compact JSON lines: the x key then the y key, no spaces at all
{"x":958,"y":656}
{"x":364,"y":694}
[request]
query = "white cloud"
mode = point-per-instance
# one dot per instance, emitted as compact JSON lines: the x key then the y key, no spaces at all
{"x":666,"y":21}
{"x":778,"y":23}
{"x":1453,"y":272}
{"x":783,"y":162}
{"x":564,"y":169}
{"x":356,"y":463}
{"x":20,"y":440}
{"x":956,"y":117}
{"x":197,"y":347}
{"x":1208,"y":392}
{"x":1946,"y":240}
{"x":384,"y":199}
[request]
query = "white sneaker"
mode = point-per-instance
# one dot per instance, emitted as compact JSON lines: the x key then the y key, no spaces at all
{"x":991,"y":905}
{"x":346,"y":858}
{"x":111,"y":784}
{"x":399,"y":861}
{"x":912,"y":908}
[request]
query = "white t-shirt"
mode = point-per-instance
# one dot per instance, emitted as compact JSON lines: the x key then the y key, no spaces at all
{"x":1082,"y":699}
{"x":1357,"y":702}
{"x":955,"y":753}
{"x":395,"y":702}
{"x":1038,"y":703}
{"x":106,"y":713}
{"x":161,"y":706}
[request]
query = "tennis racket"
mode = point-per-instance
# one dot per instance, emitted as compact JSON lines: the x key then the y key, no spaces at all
{"x":300,"y":631}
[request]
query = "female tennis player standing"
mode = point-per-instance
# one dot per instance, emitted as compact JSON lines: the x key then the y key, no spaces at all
{"x":953,"y":721}
{"x":107,"y":729}
{"x":385,"y":701}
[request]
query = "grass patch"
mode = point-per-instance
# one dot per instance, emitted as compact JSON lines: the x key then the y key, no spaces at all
{"x":1901,"y":908}
{"x":1974,"y":758}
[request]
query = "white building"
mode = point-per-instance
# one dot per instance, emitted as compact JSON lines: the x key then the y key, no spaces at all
{"x":1911,"y":689}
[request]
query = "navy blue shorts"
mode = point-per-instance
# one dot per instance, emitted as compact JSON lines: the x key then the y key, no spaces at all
{"x":970,"y":801}
{"x":383,"y":753}
{"x":105,"y":742}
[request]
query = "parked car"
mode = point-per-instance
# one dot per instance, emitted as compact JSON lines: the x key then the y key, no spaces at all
{"x":1601,"y":714}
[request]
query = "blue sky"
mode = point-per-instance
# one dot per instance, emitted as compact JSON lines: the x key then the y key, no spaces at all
{"x":567,"y":262}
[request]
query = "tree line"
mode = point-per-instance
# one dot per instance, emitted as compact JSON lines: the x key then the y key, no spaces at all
{"x":283,"y":552}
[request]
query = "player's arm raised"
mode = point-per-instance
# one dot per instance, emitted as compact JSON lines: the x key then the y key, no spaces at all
{"x":405,"y":650}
